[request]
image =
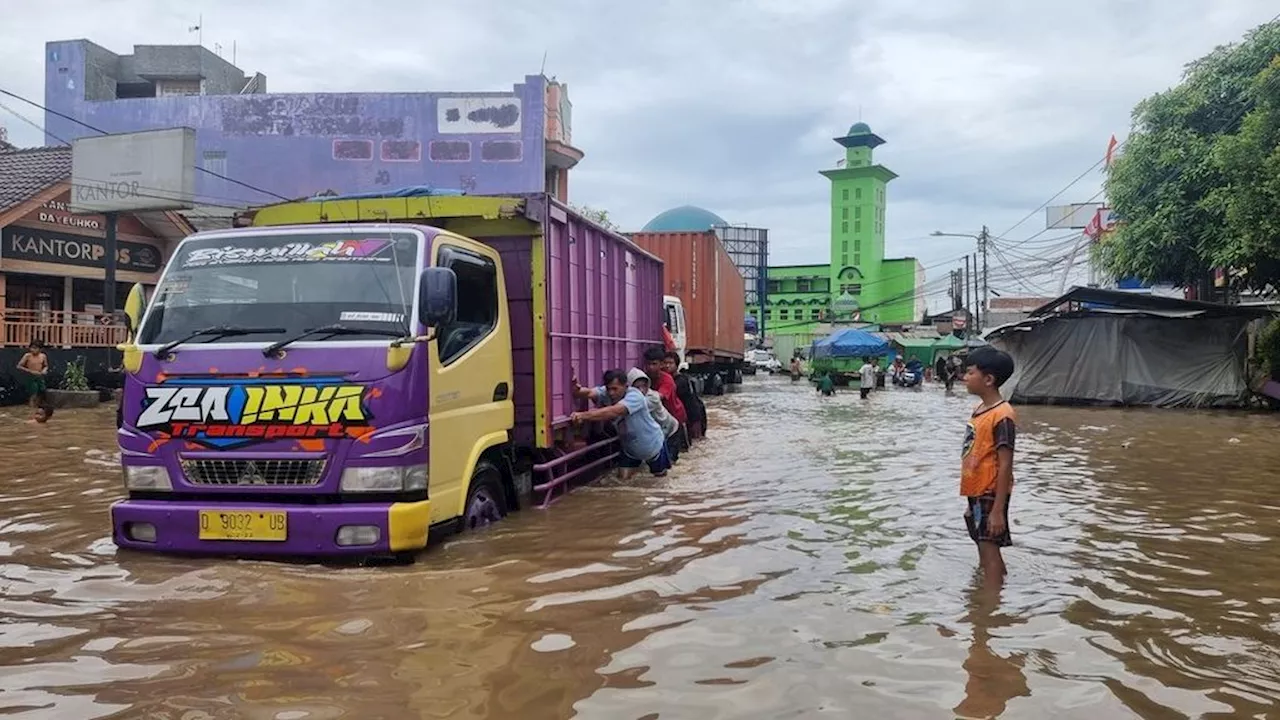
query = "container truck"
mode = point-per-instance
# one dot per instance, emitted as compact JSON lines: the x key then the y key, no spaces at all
{"x":698,"y":271}
{"x":313,"y":384}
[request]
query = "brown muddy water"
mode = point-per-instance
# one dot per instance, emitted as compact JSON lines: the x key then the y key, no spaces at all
{"x":808,"y":560}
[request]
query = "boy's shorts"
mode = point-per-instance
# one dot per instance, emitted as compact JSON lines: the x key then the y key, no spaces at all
{"x":865,"y":392}
{"x":658,"y":464}
{"x":977,"y":514}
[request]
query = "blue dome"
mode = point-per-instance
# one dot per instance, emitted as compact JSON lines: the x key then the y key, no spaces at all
{"x":685,"y":218}
{"x":859,"y":128}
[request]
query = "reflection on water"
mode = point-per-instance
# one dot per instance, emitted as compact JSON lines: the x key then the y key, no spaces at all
{"x":808,"y":560}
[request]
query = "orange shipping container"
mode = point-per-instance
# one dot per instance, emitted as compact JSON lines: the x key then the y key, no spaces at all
{"x":697,"y":270}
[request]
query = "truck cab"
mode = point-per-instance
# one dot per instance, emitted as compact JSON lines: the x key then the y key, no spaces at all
{"x":673,"y":317}
{"x":288,"y":391}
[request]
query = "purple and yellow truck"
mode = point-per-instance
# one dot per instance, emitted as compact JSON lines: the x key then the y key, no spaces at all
{"x":339,"y":377}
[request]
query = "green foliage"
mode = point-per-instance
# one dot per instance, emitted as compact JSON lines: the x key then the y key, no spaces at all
{"x":1198,"y":183}
{"x":599,"y":217}
{"x":73,"y":378}
{"x":1268,"y":348}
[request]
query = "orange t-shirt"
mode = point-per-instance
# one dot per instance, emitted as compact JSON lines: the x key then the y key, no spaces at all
{"x":989,"y":429}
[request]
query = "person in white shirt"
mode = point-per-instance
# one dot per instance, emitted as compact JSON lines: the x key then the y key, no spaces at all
{"x":670,"y":426}
{"x":867,"y":381}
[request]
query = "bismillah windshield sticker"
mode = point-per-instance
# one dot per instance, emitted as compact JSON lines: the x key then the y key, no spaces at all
{"x":366,"y":250}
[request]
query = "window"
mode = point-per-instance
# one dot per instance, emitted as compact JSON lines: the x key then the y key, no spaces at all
{"x":857,"y":245}
{"x":773,"y":286}
{"x":844,"y":226}
{"x":857,"y":259}
{"x":851,"y":288}
{"x":857,"y":212}
{"x":844,"y":213}
{"x":215,"y":162}
{"x":782,"y":314}
{"x":857,"y":226}
{"x":844,"y":194}
{"x":857,"y":194}
{"x":815,"y":314}
{"x":844,"y":246}
{"x":477,"y":302}
{"x":768,"y":314}
{"x":802,"y":285}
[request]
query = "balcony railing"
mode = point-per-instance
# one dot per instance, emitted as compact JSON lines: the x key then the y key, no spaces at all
{"x":59,"y":329}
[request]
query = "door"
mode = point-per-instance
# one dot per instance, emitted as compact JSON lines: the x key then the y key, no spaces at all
{"x":470,"y":383}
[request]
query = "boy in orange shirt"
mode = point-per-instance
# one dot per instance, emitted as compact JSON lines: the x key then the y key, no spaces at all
{"x":986,"y":469}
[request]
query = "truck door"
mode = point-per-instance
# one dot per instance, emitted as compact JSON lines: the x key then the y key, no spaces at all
{"x":470,"y":383}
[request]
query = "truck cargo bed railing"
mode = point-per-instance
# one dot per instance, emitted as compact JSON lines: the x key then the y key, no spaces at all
{"x":553,"y":481}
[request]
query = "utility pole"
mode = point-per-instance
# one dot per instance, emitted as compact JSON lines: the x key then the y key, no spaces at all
{"x":967,"y":307}
{"x":111,"y":246}
{"x":984,"y":239}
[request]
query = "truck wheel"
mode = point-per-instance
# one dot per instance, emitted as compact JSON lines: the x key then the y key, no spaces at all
{"x":485,"y":499}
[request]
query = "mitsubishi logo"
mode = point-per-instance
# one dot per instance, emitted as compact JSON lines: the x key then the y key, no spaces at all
{"x":250,"y":476}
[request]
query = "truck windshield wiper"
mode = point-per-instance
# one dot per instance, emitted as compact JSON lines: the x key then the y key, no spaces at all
{"x":328,"y":331}
{"x":214,"y":332}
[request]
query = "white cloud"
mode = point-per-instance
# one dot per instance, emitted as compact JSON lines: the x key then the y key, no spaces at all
{"x":988,"y":106}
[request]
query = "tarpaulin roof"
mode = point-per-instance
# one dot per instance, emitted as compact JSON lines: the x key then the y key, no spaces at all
{"x":1099,"y":299}
{"x":849,"y":343}
{"x":916,"y":343}
{"x":948,"y":342}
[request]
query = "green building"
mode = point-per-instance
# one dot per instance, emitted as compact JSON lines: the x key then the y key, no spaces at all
{"x":859,"y":283}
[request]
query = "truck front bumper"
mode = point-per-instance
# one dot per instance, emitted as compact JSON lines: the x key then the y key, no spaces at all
{"x":174,"y":526}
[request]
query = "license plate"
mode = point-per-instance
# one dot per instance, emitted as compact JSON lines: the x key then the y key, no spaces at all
{"x":258,"y":525}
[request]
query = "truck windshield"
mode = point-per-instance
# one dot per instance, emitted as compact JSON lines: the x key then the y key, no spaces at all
{"x":362,"y":280}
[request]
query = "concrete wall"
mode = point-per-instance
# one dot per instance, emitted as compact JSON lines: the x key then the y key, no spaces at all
{"x":97,"y":367}
{"x":302,"y":144}
{"x":897,"y":289}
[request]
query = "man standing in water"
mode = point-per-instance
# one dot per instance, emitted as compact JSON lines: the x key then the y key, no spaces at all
{"x":866,"y":378}
{"x":986,"y":469}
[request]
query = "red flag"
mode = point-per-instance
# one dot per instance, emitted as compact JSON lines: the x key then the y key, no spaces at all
{"x":1111,"y":150}
{"x":1094,"y":228}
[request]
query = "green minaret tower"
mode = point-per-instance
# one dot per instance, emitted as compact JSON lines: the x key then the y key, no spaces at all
{"x":857,"y":224}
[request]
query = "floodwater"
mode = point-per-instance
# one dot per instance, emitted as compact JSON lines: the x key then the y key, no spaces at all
{"x":807,"y":560}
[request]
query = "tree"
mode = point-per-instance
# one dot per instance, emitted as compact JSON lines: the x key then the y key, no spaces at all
{"x":599,"y":217}
{"x":1198,"y":184}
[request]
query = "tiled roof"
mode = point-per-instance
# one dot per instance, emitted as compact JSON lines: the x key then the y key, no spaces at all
{"x":24,"y":173}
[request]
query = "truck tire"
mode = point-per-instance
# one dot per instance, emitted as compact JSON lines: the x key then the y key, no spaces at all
{"x":486,"y":500}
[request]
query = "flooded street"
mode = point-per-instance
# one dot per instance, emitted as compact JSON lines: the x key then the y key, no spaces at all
{"x":807,"y":560}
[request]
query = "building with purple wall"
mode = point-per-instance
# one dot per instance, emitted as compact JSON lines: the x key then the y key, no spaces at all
{"x":304,"y":144}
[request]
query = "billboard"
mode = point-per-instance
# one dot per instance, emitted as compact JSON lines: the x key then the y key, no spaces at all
{"x":298,"y":145}
{"x":1070,"y":217}
{"x":150,"y":170}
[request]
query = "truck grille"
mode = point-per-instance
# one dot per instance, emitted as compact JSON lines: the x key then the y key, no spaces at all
{"x":248,"y":473}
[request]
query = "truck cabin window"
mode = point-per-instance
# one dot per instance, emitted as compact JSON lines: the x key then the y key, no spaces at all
{"x":477,"y":302}
{"x":291,"y":281}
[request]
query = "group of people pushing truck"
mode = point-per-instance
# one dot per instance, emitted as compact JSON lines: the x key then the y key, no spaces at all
{"x":656,"y":411}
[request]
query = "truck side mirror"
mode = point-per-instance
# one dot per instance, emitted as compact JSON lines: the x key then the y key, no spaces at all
{"x":437,"y":297}
{"x":134,"y":306}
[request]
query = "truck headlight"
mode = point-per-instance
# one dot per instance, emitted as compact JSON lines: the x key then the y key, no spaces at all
{"x":384,"y":479}
{"x":147,"y":477}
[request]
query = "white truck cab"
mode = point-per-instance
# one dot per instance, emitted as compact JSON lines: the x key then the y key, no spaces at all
{"x":673,"y":316}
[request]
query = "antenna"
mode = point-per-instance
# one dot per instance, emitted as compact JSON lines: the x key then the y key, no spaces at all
{"x":233,"y":52}
{"x":198,"y":28}
{"x":543,"y":70}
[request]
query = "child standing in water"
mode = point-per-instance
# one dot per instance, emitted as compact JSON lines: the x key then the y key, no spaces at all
{"x":34,"y":366}
{"x":986,"y":469}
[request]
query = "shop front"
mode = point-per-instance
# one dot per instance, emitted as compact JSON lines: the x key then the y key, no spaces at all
{"x":53,"y":268}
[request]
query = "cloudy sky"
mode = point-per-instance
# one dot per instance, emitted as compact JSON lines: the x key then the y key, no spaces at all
{"x":989,"y":107}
